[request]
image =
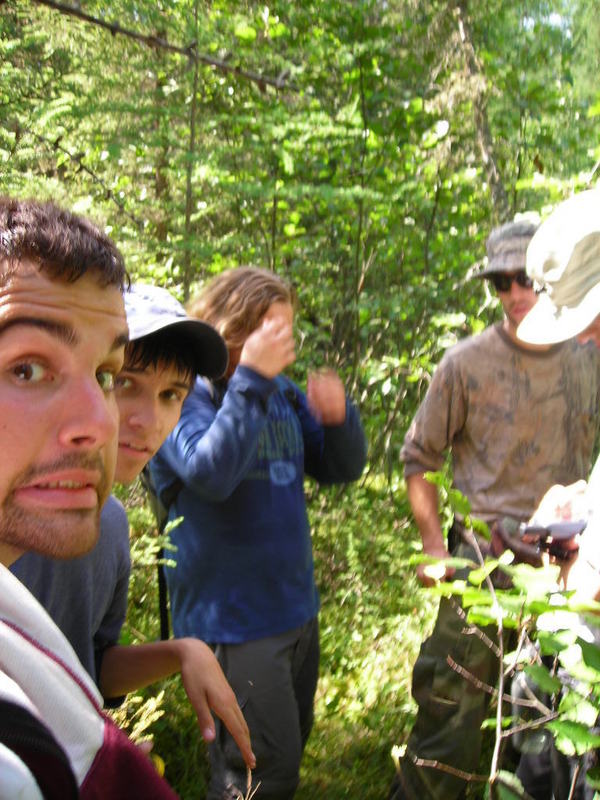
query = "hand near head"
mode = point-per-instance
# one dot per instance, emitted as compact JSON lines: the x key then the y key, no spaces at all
{"x":326,"y":397}
{"x":270,"y":348}
{"x":207,"y":689}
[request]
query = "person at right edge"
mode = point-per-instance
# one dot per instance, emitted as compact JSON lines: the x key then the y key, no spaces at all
{"x":244,"y":578}
{"x":516,"y":419}
{"x":564,"y":259}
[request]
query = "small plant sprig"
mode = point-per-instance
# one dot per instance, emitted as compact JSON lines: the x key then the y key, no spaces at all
{"x":250,"y":792}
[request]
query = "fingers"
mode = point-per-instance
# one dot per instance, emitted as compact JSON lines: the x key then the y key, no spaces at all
{"x":208,"y":690}
{"x":222,"y":701}
{"x":234,"y":721}
{"x":270,"y":348}
{"x":226,"y":707}
{"x":326,"y":397}
{"x":205,"y":720}
{"x":281,"y":336}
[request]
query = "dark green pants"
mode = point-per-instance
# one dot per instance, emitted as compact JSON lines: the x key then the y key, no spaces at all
{"x":450,"y":708}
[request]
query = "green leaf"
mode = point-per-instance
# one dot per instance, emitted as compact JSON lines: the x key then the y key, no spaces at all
{"x":573,"y":738}
{"x":507,"y":786}
{"x":535,"y":582}
{"x":458,"y":502}
{"x":477,"y":576}
{"x":437,"y":478}
{"x":591,"y":654}
{"x":449,"y":320}
{"x":571,"y":658}
{"x":481,"y":529}
{"x":575,"y":708}
{"x":554,"y":642}
{"x":245,"y":32}
{"x":542,"y":678}
{"x":592,"y":777}
{"x":594,"y":110}
{"x":288,"y":162}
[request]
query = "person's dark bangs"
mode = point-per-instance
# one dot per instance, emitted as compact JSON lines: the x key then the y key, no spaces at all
{"x":168,"y":347}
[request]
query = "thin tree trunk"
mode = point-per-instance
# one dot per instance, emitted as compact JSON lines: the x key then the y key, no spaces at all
{"x":482,"y":127}
{"x":187,"y":259}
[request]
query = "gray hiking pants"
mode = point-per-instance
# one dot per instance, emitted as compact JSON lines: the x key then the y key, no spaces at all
{"x":275,"y":680}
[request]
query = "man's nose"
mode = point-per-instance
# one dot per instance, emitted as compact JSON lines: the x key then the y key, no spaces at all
{"x":90,"y":415}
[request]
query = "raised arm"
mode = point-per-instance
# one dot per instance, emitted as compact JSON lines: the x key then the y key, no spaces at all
{"x":334,"y":439}
{"x":214,"y":443}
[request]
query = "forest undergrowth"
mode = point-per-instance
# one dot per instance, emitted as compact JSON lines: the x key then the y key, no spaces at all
{"x":373,"y":618}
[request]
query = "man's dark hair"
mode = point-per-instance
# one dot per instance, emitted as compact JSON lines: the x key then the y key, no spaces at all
{"x":60,"y":243}
{"x":165,"y":348}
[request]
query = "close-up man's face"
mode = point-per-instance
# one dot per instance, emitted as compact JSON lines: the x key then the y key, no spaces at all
{"x":149,"y":402}
{"x":61,"y":347}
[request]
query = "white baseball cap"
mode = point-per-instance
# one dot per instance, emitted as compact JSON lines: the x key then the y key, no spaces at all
{"x":564,"y":259}
{"x":151,"y":309}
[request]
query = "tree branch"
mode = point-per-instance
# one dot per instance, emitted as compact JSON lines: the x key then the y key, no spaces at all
{"x":439,"y":765}
{"x":491,"y":690}
{"x":56,"y":145}
{"x":190,"y":52}
{"x":473,"y":630}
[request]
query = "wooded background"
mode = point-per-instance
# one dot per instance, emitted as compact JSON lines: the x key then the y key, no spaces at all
{"x":361,"y":149}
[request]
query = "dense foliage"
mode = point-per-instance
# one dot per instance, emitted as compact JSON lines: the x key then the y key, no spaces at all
{"x":361,"y":148}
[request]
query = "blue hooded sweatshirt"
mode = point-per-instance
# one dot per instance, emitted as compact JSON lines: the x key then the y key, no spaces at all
{"x":244,"y":565}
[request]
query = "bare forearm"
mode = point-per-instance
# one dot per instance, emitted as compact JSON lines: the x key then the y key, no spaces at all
{"x":127,"y":668}
{"x":423,"y":498}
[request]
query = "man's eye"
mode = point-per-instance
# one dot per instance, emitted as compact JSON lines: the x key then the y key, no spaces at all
{"x":123,"y":382}
{"x":106,"y":380}
{"x":172,"y":396}
{"x":29,"y":372}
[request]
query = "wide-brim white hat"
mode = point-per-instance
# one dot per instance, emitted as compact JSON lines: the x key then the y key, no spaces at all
{"x":563,"y":258}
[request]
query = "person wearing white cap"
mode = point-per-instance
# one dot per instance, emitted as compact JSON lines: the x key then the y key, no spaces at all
{"x":87,"y":596}
{"x":564,"y":260}
{"x":513,"y":417}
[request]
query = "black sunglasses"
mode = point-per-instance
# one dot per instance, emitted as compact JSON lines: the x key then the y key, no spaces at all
{"x":503,"y":280}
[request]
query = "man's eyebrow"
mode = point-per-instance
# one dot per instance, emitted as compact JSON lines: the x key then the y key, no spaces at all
{"x":65,"y":333}
{"x":122,"y":340}
{"x":61,"y":331}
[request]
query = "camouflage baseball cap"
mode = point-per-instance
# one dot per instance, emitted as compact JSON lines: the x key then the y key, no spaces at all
{"x":506,"y":247}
